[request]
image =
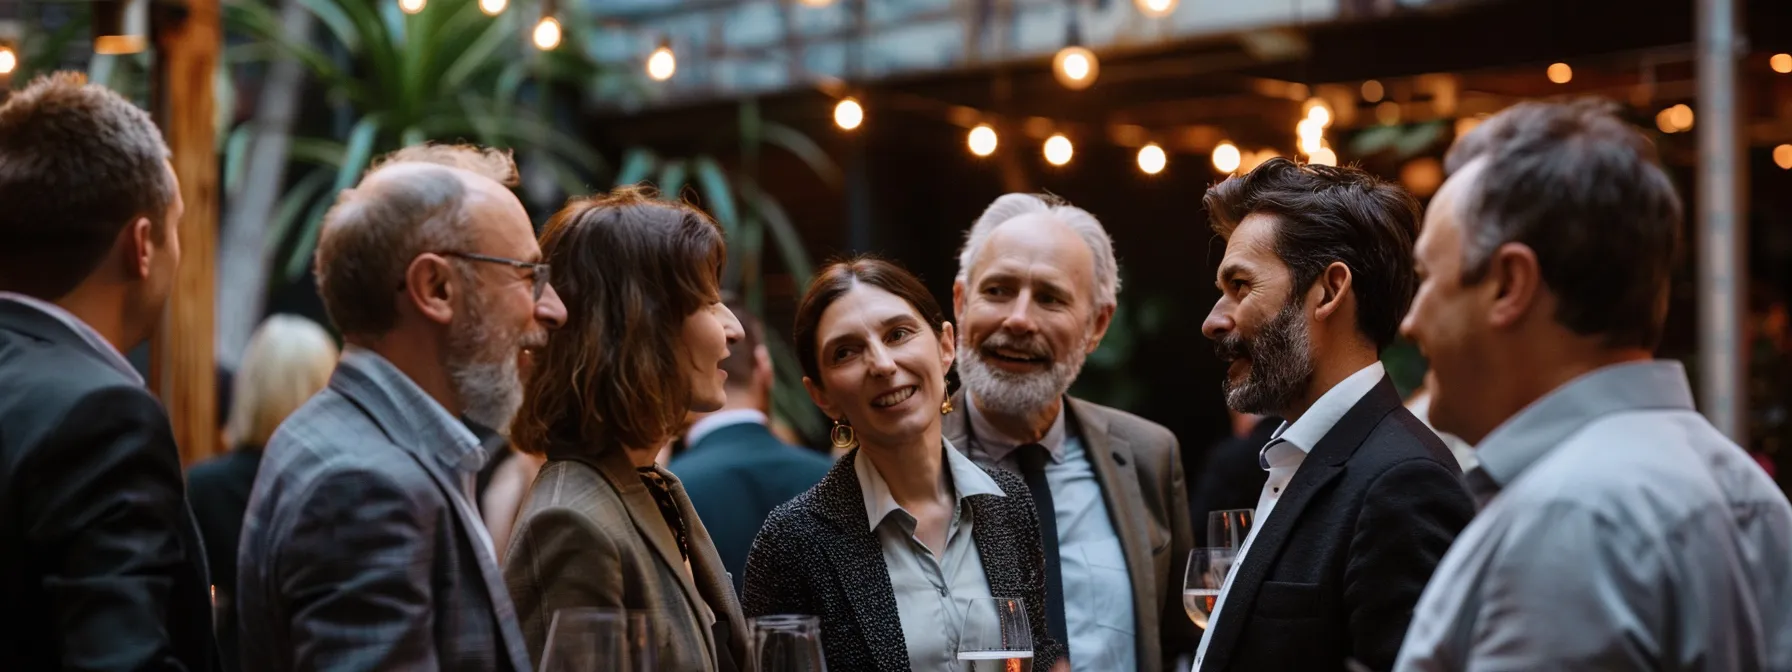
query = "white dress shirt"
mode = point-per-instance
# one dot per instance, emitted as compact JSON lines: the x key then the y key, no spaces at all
{"x":1098,"y":599}
{"x":1286,"y":451}
{"x":81,"y":329}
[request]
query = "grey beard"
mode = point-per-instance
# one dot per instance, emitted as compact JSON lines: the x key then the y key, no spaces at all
{"x":1281,"y":365}
{"x":482,"y":368}
{"x":1006,"y":393}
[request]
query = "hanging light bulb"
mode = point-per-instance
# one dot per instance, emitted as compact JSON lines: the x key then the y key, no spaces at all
{"x":492,"y":7}
{"x":1781,"y":63}
{"x":1373,"y":91}
{"x":1058,"y":150}
{"x":1311,"y":134}
{"x":1152,"y":159}
{"x":1560,"y":73}
{"x":662,"y":63}
{"x":547,"y":33}
{"x":1075,"y":67}
{"x":1156,"y":8}
{"x":1319,"y":112}
{"x":1324,"y":157}
{"x":1782,"y":156}
{"x":411,"y":6}
{"x":9,"y":61}
{"x":982,"y":140}
{"x":848,"y":114}
{"x":1226,"y":157}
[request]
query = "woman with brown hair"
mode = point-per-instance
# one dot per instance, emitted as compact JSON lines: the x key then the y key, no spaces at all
{"x":891,"y":547}
{"x":645,"y":336}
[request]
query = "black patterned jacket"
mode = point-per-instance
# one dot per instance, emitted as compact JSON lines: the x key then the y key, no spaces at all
{"x":815,"y":556}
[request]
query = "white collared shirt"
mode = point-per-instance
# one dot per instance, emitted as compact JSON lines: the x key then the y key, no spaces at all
{"x":1282,"y":457}
{"x":719,"y":419}
{"x":81,"y":329}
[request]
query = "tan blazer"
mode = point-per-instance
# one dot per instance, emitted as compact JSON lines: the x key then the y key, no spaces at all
{"x":590,"y":535}
{"x":1139,"y":465}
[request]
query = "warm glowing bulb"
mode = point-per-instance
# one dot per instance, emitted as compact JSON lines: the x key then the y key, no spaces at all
{"x":982,"y":140}
{"x":547,"y":33}
{"x":1782,"y":155}
{"x":1678,"y":117}
{"x":1373,"y":91}
{"x":492,"y":7}
{"x":1226,"y":157}
{"x":1075,"y":67}
{"x":1560,"y":73}
{"x":818,"y":3}
{"x":848,"y":114}
{"x":1319,"y":113}
{"x":1152,"y":159}
{"x":1324,"y":157}
{"x":1058,"y":150}
{"x":1156,"y":8}
{"x":1311,"y":135}
{"x":8,"y":61}
{"x":410,"y":6}
{"x":662,"y":63}
{"x":1782,"y":63}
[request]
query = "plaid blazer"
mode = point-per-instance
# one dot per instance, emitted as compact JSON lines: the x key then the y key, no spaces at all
{"x":353,"y":554}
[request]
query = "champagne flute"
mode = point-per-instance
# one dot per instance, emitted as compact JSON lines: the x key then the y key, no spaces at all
{"x":586,"y":639}
{"x":787,"y":643}
{"x":996,"y":636}
{"x":1228,"y":528}
{"x":1207,"y":569}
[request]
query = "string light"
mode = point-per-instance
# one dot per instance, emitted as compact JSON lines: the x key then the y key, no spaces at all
{"x":1373,"y":91}
{"x":1388,"y":113}
{"x":1152,"y":159}
{"x":848,"y":114}
{"x":1075,"y":67}
{"x":547,"y":33}
{"x":661,"y":64}
{"x":1560,"y":73}
{"x":9,"y":61}
{"x":1782,"y":155}
{"x":411,"y":6}
{"x":1156,"y":8}
{"x":1782,"y":63}
{"x":492,"y":7}
{"x":1311,"y":135}
{"x":1226,"y":157}
{"x":1058,"y":150}
{"x":1324,"y":157}
{"x":1675,"y":119}
{"x":1318,"y":112}
{"x":982,"y":140}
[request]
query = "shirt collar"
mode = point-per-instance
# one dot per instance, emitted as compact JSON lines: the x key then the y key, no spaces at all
{"x":996,"y":446}
{"x":1526,"y":437}
{"x":719,"y":419}
{"x":968,"y":480}
{"x":1325,"y":413}
{"x":454,"y":445}
{"x":92,"y":338}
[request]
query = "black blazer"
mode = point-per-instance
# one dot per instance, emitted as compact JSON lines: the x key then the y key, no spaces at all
{"x":815,"y":556}
{"x":101,"y":567}
{"x":1335,"y":571}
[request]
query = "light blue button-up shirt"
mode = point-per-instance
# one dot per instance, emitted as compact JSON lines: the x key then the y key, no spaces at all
{"x":932,"y":593}
{"x":1098,"y":604}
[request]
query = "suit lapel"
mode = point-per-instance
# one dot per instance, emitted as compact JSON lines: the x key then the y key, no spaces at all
{"x":712,"y":582}
{"x":841,"y":504}
{"x":1112,"y":457}
{"x":1322,"y":465}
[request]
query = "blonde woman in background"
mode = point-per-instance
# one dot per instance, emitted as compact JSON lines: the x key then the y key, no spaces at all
{"x":289,"y":358}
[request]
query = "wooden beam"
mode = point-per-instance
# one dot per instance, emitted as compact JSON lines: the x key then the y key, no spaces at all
{"x":183,"y":368}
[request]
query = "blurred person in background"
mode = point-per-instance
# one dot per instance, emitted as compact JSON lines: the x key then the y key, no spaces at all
{"x":892,"y":545}
{"x":1035,"y":292}
{"x":1419,"y":403}
{"x":288,"y":359}
{"x":101,"y":565}
{"x":734,"y":468}
{"x":603,"y":525}
{"x":1230,"y":477}
{"x":1619,"y":530}
{"x":1362,"y":499}
{"x":362,"y":548}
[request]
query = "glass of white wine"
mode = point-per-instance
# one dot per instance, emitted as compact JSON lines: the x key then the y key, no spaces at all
{"x":1207,"y":569}
{"x":996,"y":636}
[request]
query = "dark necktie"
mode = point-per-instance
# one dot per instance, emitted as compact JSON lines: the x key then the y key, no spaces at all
{"x":1032,"y":458}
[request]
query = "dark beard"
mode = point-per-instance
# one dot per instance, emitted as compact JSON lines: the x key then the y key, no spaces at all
{"x":1281,"y":364}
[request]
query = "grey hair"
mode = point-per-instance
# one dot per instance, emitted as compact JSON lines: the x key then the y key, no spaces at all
{"x":1010,"y":206}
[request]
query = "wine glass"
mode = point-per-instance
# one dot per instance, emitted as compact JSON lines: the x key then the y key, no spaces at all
{"x":1207,"y":570}
{"x":787,"y":643}
{"x":996,"y":636}
{"x":1228,"y":528}
{"x":586,"y":639}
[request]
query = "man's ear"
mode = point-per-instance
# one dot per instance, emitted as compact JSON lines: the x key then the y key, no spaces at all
{"x":1518,"y":281}
{"x":137,"y":238}
{"x":430,"y":284}
{"x":1334,"y":284}
{"x":1104,"y":318}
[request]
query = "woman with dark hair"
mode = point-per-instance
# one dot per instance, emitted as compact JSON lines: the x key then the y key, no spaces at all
{"x":890,"y":548}
{"x":645,"y":336}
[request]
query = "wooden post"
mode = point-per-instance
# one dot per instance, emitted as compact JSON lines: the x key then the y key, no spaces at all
{"x":183,"y":368}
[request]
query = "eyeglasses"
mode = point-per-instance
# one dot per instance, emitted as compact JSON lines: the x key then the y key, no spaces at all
{"x":540,"y":270}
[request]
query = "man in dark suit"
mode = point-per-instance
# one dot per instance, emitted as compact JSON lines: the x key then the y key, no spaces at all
{"x":1362,"y":499}
{"x":734,"y":468}
{"x":101,"y":566}
{"x":362,"y":547}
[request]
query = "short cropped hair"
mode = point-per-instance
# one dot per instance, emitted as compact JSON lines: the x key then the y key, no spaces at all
{"x":1586,"y":192}
{"x":289,"y":358}
{"x":1327,"y":214}
{"x":375,"y":229}
{"x":1009,"y":206}
{"x":78,"y":163}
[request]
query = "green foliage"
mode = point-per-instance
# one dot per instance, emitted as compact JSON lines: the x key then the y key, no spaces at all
{"x":1106,"y":377}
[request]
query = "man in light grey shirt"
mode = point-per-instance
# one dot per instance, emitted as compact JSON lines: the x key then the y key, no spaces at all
{"x":1618,"y":529}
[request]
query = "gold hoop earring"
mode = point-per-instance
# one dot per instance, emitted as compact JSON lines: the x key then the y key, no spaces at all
{"x":842,"y":436}
{"x":946,"y":406}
